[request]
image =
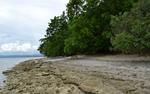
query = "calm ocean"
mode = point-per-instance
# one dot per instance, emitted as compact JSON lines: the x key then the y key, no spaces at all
{"x":9,"y":62}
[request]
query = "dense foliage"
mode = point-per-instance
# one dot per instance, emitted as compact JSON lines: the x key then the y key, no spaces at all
{"x":53,"y":43}
{"x":132,"y":29}
{"x":99,"y":26}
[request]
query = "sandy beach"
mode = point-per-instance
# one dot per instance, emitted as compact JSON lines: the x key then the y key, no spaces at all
{"x":80,"y":75}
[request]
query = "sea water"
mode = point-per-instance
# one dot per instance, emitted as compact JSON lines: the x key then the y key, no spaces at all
{"x":7,"y":63}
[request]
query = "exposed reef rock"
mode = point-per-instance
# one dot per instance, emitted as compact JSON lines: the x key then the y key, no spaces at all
{"x":77,"y":76}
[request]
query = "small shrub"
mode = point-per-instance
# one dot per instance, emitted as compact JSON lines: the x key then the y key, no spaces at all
{"x":123,"y":42}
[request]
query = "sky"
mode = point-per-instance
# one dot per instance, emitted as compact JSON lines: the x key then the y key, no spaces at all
{"x":23,"y":23}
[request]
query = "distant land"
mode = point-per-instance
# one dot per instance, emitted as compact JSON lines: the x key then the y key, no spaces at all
{"x":19,"y":54}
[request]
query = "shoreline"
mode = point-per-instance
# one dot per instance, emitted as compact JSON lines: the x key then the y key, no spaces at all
{"x":9,"y":62}
{"x":80,"y":75}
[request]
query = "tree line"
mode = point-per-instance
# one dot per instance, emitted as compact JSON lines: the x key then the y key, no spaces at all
{"x":99,"y":26}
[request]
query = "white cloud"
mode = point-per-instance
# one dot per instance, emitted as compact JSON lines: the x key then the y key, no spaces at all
{"x":26,"y":21}
{"x":17,"y":47}
{"x":30,"y":10}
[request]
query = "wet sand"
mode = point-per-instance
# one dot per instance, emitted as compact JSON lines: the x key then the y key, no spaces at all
{"x":80,"y":75}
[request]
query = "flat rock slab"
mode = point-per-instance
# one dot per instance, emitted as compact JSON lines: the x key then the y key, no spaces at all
{"x":77,"y":76}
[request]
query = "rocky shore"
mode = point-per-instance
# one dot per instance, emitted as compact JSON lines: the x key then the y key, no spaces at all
{"x":88,"y":75}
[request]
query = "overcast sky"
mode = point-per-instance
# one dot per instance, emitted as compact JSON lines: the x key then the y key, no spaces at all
{"x":23,"y":22}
